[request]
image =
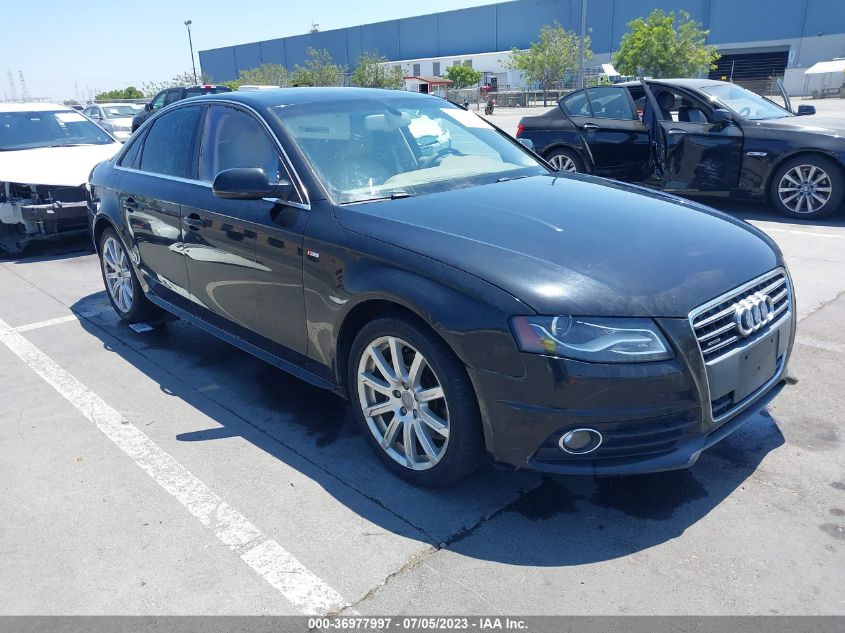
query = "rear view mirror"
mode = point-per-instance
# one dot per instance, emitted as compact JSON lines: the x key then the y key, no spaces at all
{"x":247,"y":183}
{"x":806,"y":110}
{"x":721,"y":116}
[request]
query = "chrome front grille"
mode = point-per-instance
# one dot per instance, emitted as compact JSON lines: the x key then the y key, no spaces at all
{"x":716,"y":324}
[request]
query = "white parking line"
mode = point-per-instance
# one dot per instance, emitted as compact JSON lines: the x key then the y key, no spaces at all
{"x":793,"y":232}
{"x":58,"y":320}
{"x":269,"y":559}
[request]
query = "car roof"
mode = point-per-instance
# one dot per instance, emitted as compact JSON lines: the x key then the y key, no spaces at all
{"x":33,"y":106}
{"x":111,"y":105}
{"x":260,"y":99}
{"x":680,"y":83}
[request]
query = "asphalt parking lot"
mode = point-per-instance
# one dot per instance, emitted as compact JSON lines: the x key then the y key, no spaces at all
{"x":165,"y":472}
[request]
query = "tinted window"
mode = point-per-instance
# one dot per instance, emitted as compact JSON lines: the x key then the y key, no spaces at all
{"x":169,"y":146}
{"x":576,"y":104}
{"x":610,"y":103}
{"x":172,"y":96}
{"x":232,"y":138}
{"x":206,"y":90}
{"x":130,"y":158}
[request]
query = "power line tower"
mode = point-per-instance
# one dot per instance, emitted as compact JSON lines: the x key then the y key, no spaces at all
{"x":13,"y":92}
{"x":24,"y":90}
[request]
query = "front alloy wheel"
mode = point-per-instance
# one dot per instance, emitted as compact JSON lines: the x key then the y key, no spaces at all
{"x":808,"y":187}
{"x":562,"y":162}
{"x":414,"y":402}
{"x":403,"y":403}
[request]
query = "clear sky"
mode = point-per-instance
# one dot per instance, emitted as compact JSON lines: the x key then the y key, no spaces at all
{"x":67,"y":48}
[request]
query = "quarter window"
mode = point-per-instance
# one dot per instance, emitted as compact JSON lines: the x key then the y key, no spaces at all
{"x":169,"y":146}
{"x":610,"y":103}
{"x":129,"y":160}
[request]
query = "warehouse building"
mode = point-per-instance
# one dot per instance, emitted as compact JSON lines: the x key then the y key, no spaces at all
{"x":757,"y":39}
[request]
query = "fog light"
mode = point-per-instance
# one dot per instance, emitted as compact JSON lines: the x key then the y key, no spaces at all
{"x":580,"y":441}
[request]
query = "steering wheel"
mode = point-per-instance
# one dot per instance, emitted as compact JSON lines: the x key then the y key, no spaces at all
{"x":745,"y":112}
{"x":428,"y":161}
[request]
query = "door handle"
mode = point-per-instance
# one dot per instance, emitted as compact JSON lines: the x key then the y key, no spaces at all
{"x":193,"y":222}
{"x":676,"y":131}
{"x":590,"y":126}
{"x":130,"y":203}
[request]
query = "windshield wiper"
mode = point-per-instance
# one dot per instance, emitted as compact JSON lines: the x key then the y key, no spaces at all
{"x":396,"y":195}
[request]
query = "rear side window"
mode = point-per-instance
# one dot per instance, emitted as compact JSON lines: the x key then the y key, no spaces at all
{"x":610,"y":103}
{"x":173,"y":95}
{"x":169,"y":146}
{"x":129,"y":160}
{"x":576,"y":104}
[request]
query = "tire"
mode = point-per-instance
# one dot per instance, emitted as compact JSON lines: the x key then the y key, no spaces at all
{"x":124,"y":291}
{"x":566,"y":160}
{"x":435,"y":460}
{"x":815,"y":182}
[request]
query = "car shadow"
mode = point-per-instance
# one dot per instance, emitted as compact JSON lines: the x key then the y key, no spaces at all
{"x":764,"y":212}
{"x":559,"y":521}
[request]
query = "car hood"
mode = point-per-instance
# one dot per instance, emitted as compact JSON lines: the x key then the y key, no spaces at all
{"x":577,"y":244}
{"x":64,"y":166}
{"x":829,"y":126}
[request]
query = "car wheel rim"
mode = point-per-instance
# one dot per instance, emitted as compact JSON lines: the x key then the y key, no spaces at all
{"x":404,"y":403}
{"x":563,"y":162}
{"x":117,"y":273}
{"x":805,"y":189}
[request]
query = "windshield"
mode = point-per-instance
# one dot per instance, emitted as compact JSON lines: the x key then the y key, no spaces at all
{"x":121,"y":111}
{"x":28,"y":130}
{"x":745,"y":103}
{"x":372,"y":149}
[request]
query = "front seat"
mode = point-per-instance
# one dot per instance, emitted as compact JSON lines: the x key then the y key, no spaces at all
{"x":691,"y":114}
{"x":665,"y":101}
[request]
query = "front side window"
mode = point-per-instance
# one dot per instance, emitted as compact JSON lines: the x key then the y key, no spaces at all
{"x":158,"y":102}
{"x":60,"y":128}
{"x":610,"y":103}
{"x":576,"y":104}
{"x":231,"y":139}
{"x":169,"y":146}
{"x":371,"y":149}
{"x":747,"y":104}
{"x":129,"y":159}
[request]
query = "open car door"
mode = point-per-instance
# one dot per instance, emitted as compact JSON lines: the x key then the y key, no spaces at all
{"x":695,"y":150}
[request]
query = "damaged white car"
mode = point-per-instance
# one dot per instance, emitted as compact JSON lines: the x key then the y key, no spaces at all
{"x":46,"y":154}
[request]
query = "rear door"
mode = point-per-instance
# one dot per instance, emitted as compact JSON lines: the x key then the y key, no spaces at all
{"x":616,"y":139}
{"x":697,"y":155}
{"x":155,"y":180}
{"x":244,"y":257}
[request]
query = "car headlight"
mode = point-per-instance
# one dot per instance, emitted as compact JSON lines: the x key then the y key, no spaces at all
{"x":592,"y":339}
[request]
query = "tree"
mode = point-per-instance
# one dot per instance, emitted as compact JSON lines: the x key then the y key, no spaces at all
{"x":463,"y":76}
{"x":548,"y":61}
{"x":264,"y":75}
{"x":319,"y":70}
{"x":152,"y":88}
{"x":130,"y":92}
{"x":372,"y":71}
{"x":662,"y":45}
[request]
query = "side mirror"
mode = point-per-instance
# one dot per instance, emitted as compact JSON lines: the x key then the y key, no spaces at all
{"x":148,"y":106}
{"x":806,"y":110}
{"x":247,"y":183}
{"x":721,"y":117}
{"x":527,"y":142}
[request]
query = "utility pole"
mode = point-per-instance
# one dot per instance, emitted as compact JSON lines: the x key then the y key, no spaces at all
{"x":581,"y":43}
{"x":191,"y":45}
{"x":24,"y":91}
{"x":13,"y":92}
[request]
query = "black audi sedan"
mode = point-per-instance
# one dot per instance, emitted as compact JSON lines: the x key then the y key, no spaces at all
{"x":468,"y":300}
{"x":698,"y":136}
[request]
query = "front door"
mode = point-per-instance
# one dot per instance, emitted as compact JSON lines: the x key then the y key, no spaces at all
{"x":244,"y":257}
{"x":697,"y":154}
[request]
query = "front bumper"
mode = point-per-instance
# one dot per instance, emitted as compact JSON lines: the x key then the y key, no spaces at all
{"x":652,"y":416}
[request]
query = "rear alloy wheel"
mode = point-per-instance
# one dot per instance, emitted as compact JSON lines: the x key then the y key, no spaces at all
{"x":807,"y":187}
{"x":415,"y":403}
{"x":566,"y":161}
{"x":122,"y":287}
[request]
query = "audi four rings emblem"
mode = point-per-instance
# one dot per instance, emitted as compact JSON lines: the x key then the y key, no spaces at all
{"x":754,"y":312}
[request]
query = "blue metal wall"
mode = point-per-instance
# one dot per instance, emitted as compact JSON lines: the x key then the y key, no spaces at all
{"x":498,"y":27}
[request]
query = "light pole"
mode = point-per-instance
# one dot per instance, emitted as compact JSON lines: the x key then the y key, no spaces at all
{"x":191,"y":45}
{"x":581,"y":43}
